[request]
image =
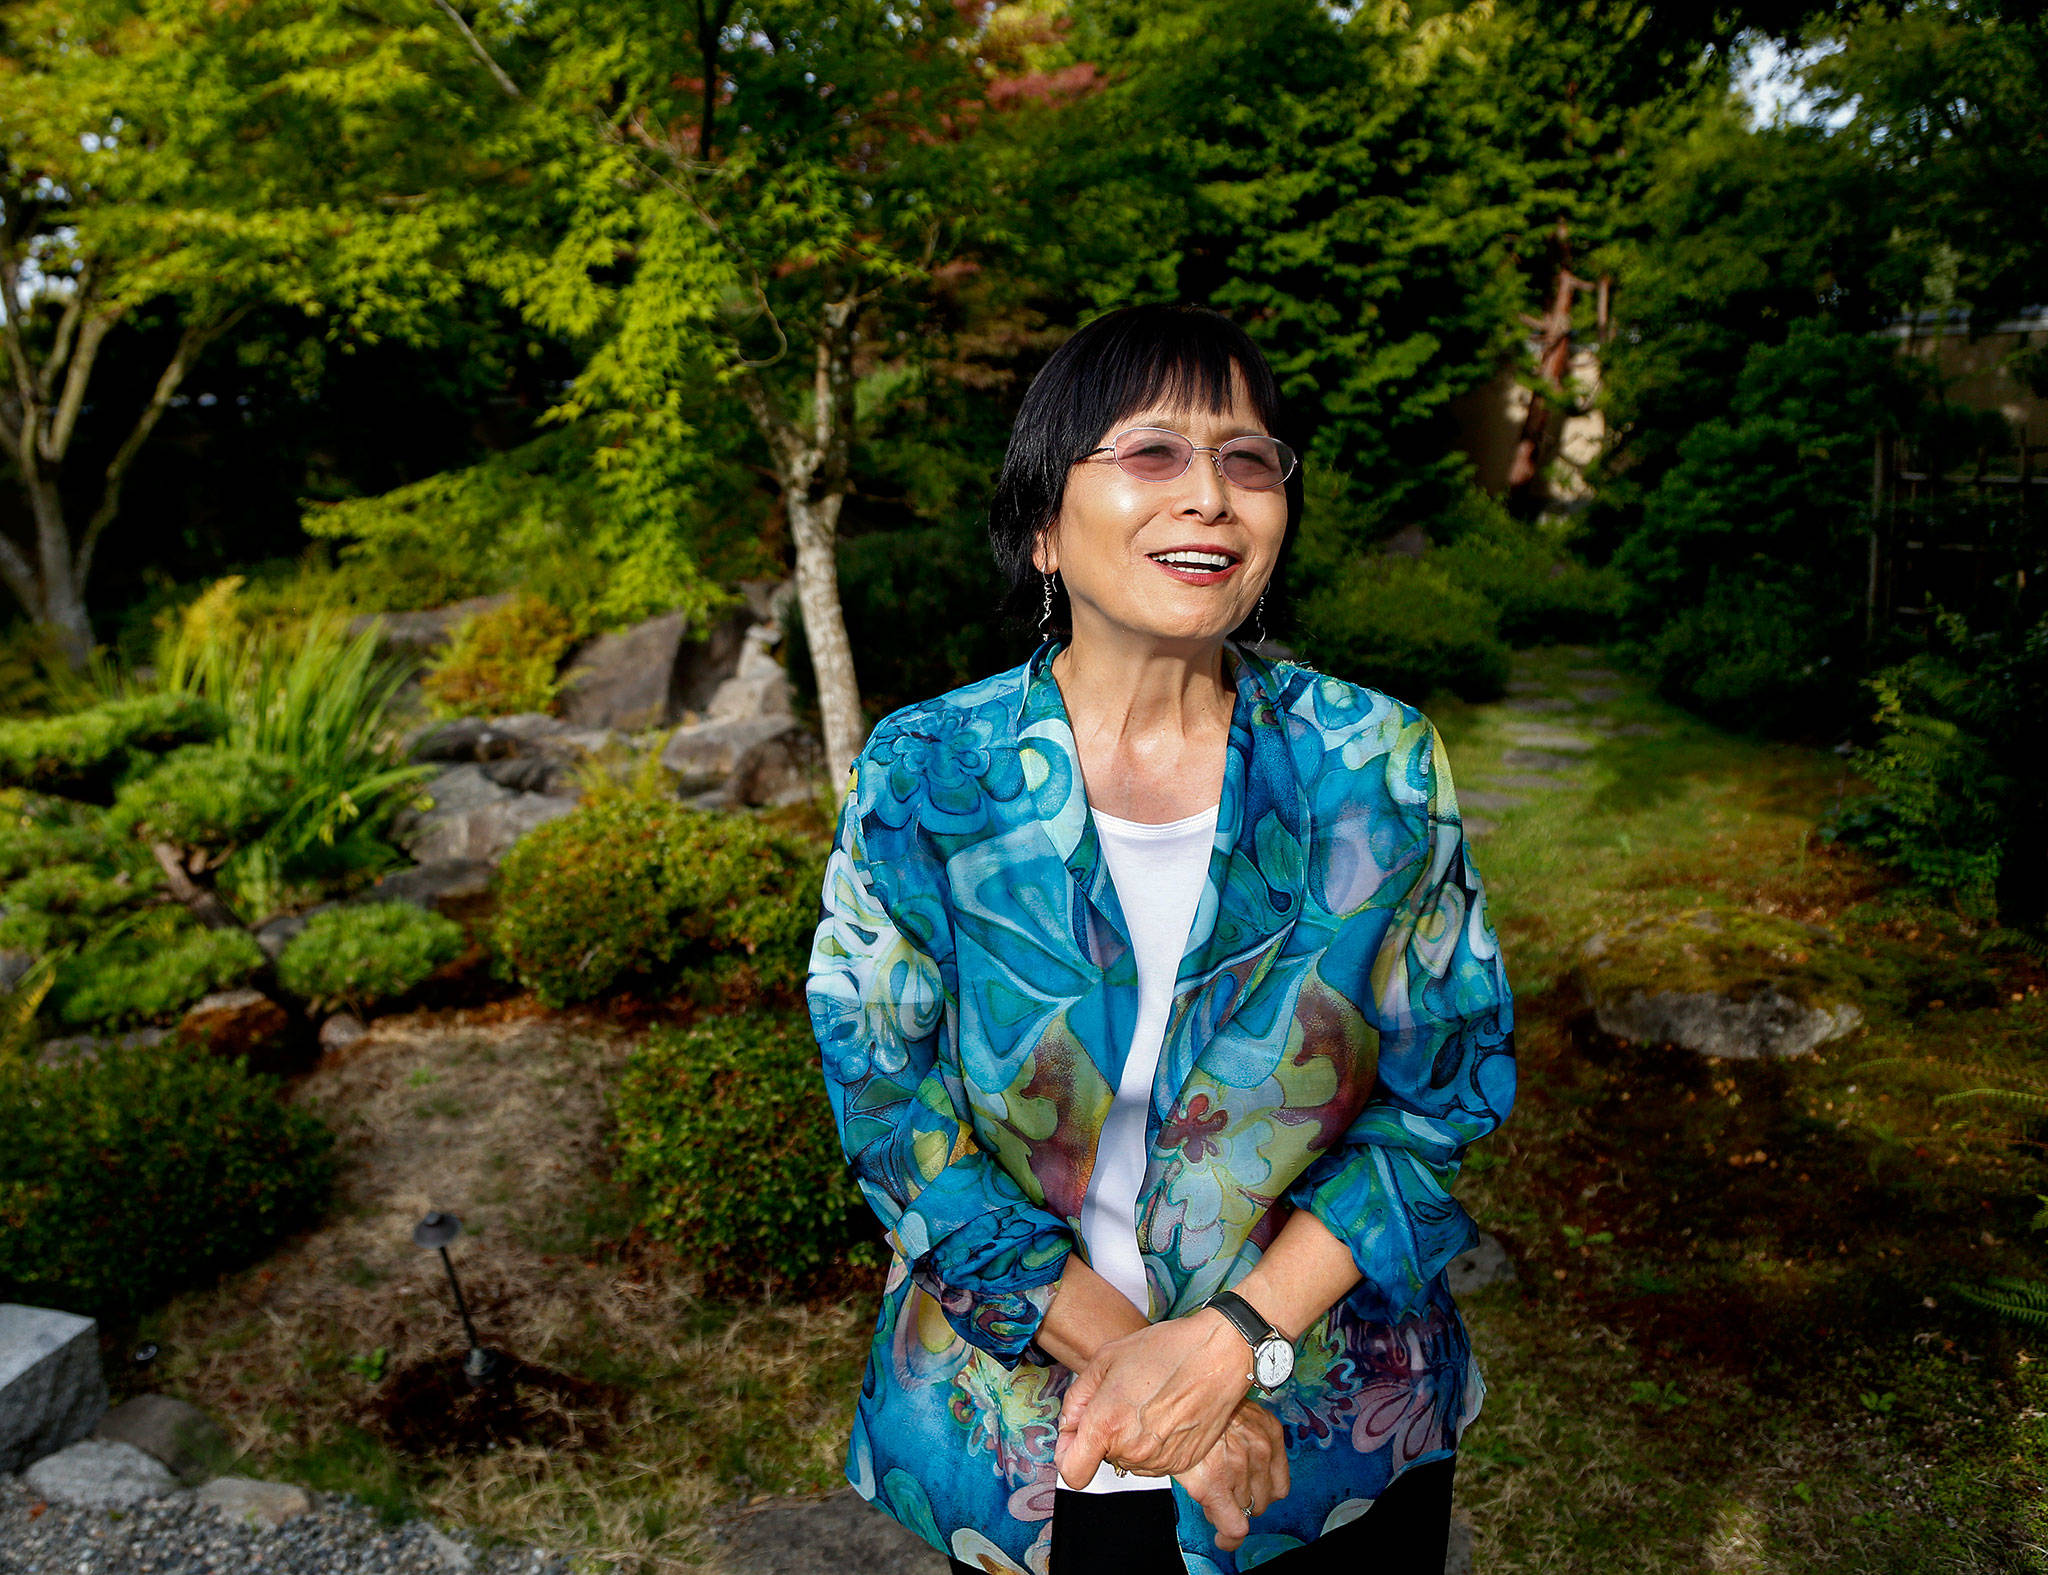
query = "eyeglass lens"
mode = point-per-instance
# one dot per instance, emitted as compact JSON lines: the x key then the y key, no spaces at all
{"x":1155,"y":454}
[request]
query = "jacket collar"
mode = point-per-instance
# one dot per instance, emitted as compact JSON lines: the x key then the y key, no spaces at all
{"x":1263,"y":896}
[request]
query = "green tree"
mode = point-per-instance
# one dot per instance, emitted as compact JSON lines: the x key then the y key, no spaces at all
{"x":175,"y":162}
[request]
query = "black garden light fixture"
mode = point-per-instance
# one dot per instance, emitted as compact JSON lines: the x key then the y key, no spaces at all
{"x":482,"y":1364}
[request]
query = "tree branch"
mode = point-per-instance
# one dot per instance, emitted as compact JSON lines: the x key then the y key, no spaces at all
{"x":189,"y":345}
{"x":74,"y":309}
{"x":498,"y":73}
{"x":19,"y":575}
{"x":58,"y":440}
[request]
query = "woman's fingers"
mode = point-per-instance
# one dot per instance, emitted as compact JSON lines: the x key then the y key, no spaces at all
{"x":1217,"y":1491}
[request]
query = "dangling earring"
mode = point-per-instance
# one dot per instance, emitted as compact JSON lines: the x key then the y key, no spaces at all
{"x":1045,"y":616}
{"x":1259,"y":612}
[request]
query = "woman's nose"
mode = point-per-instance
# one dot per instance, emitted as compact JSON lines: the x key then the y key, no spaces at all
{"x":1203,"y":489}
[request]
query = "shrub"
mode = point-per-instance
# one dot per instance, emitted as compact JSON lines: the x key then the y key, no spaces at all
{"x":501,"y":661}
{"x":635,"y":887}
{"x":690,"y":1100}
{"x":83,"y":754}
{"x":210,"y":796}
{"x":1541,"y":591}
{"x":146,"y":1171}
{"x":358,"y":955}
{"x":133,"y":978}
{"x":1403,"y":625}
{"x":62,"y":903}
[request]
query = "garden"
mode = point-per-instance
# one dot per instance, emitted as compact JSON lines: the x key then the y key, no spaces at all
{"x":470,"y":479}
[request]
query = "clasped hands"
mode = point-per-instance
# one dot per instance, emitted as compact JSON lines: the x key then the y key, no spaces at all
{"x":1172,"y":1400}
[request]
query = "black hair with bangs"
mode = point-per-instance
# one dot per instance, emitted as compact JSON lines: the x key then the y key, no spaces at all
{"x":1114,"y":367}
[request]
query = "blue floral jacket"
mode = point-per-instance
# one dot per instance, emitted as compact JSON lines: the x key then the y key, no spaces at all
{"x":1342,"y":1031}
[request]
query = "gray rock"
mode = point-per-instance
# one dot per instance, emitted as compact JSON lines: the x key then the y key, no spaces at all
{"x":1534,"y":735}
{"x":1598,"y":694}
{"x":839,"y":1533}
{"x":252,"y":1502}
{"x":454,"y":1556}
{"x":175,"y":1433}
{"x":626,"y":679}
{"x":769,"y":601}
{"x":273,"y":935}
{"x":758,"y":686}
{"x":473,"y":818}
{"x":430,"y":885}
{"x":465,"y":738}
{"x":707,"y":754}
{"x":1490,"y":803}
{"x":98,"y":1474}
{"x":709,"y":660}
{"x":1524,"y":780}
{"x":1535,"y":701}
{"x":1477,"y":826}
{"x":14,"y":967}
{"x":86,"y":1047}
{"x":423,"y":631}
{"x":1458,"y":1551}
{"x":51,"y":1388}
{"x":1479,"y":1266}
{"x":341,"y":1030}
{"x":1768,"y":1024}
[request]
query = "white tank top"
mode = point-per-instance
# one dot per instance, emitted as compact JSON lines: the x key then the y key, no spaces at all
{"x":1159,"y":872}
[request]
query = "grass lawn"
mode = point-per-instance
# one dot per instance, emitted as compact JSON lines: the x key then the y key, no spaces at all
{"x":1731,"y":1346}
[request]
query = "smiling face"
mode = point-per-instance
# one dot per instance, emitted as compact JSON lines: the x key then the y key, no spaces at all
{"x":1178,"y":563}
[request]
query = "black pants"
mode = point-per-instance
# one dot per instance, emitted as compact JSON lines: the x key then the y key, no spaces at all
{"x":1406,"y":1532}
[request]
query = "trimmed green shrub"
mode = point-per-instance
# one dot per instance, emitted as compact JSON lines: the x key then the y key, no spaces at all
{"x":62,"y":903}
{"x":144,"y":1172}
{"x":359,"y":955}
{"x":636,"y":888}
{"x":1402,"y":625}
{"x":210,"y":796}
{"x":501,"y":661}
{"x":1542,"y":592}
{"x":689,"y":1101}
{"x":36,"y":833}
{"x":82,"y":755}
{"x":131,"y":979}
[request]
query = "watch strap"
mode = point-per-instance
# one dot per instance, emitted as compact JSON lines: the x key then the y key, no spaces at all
{"x":1244,"y":1317}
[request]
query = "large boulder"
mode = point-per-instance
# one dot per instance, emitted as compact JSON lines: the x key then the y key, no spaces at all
{"x":758,"y":761}
{"x":473,"y":817}
{"x":525,"y":753}
{"x":424,"y":631}
{"x":653,"y":673}
{"x":244,"y":1023}
{"x":51,"y":1388}
{"x":1729,"y":983}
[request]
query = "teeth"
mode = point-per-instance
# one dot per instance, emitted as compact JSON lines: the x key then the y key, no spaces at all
{"x":1193,"y":560}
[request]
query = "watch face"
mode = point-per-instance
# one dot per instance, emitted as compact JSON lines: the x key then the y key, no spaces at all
{"x":1273,"y":1363}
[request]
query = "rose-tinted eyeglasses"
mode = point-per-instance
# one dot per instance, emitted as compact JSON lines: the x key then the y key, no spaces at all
{"x":1256,"y":462}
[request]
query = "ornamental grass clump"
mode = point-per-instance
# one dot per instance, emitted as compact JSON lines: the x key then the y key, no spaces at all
{"x":360,"y":955}
{"x":649,"y":892}
{"x":692,"y":1099}
{"x":143,"y":1172}
{"x":501,"y":662}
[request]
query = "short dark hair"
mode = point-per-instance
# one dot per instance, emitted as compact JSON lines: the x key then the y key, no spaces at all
{"x":1111,"y":368}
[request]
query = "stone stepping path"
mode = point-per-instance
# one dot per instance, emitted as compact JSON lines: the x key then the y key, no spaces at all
{"x":1539,"y":760}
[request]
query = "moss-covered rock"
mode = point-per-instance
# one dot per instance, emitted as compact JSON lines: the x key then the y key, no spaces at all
{"x":1724,"y":982}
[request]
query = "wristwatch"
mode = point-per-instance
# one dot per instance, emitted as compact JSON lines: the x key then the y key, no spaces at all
{"x":1272,"y":1351}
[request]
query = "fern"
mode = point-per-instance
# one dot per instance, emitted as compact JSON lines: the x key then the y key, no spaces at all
{"x":18,"y":1006}
{"x":2022,"y":1301}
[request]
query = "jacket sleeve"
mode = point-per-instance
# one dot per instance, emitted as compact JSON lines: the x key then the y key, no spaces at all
{"x":886,"y":1024}
{"x":1439,"y":997}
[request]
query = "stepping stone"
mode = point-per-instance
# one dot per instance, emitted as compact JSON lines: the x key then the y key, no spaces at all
{"x":1516,"y":780}
{"x":1478,"y":798}
{"x":250,"y":1502}
{"x":1478,"y":1267}
{"x":1585,"y":653}
{"x":1538,"y":760}
{"x":1536,"y":703}
{"x":1598,"y":694}
{"x":1593,"y":674}
{"x":1527,"y":686}
{"x":180,"y":1435}
{"x":51,"y":1387}
{"x":1477,"y":826}
{"x":96,"y":1474}
{"x":841,"y":1534}
{"x":1535,"y":736}
{"x":1640,"y":730}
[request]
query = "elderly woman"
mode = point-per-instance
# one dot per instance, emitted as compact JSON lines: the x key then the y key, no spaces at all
{"x":1158,"y":1005}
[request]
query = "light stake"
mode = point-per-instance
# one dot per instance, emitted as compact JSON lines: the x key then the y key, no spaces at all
{"x":437,"y":1230}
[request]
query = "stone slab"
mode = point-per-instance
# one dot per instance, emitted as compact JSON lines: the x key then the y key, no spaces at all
{"x":1598,"y":694}
{"x":1477,"y":826}
{"x":1539,"y":760}
{"x":52,"y":1390}
{"x":1536,"y":702}
{"x":100,"y":1474}
{"x":840,"y":1534}
{"x":1767,"y":1026}
{"x":1514,"y":779}
{"x":1477,"y":1267}
{"x":255,"y":1503}
{"x":1485,"y":802}
{"x":1533,"y":735}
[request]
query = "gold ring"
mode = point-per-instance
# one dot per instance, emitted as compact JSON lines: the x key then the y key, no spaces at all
{"x":1119,"y":1470}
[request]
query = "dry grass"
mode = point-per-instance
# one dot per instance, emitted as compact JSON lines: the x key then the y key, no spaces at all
{"x":503,"y":1123}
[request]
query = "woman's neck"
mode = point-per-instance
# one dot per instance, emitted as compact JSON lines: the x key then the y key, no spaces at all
{"x":1151,"y":725}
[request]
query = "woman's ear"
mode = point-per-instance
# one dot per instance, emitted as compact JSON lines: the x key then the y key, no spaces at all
{"x":1045,"y":555}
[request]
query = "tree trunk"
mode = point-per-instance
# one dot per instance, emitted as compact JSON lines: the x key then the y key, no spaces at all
{"x":814,"y":523}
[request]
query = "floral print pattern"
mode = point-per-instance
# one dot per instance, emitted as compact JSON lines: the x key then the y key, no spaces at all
{"x":1342,"y":1031}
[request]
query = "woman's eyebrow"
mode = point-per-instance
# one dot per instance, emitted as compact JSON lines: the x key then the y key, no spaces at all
{"x":1177,"y":421}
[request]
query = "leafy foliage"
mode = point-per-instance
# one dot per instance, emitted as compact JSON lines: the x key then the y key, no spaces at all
{"x":127,"y":977}
{"x":212,"y":797}
{"x":81,"y":755}
{"x":693,"y":1099}
{"x":1403,"y":625}
{"x":501,"y":661}
{"x":361,"y":954}
{"x":143,"y":1172}
{"x":648,"y":891}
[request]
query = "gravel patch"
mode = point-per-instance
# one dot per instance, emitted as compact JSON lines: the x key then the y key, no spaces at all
{"x":176,"y":1535}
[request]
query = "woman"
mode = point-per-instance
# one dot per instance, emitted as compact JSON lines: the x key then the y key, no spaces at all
{"x":1158,"y":1005}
